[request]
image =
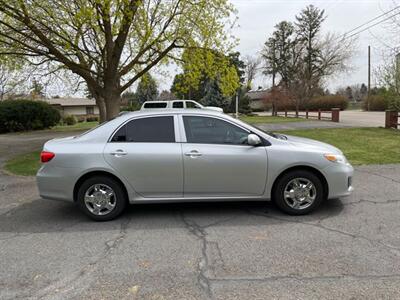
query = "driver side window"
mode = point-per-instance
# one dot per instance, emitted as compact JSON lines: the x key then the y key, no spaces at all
{"x":207,"y":130}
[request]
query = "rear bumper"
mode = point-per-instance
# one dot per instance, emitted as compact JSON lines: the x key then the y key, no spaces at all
{"x":55,"y":183}
{"x":339,"y":178}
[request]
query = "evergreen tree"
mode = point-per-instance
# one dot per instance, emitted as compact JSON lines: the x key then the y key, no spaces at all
{"x":146,"y":89}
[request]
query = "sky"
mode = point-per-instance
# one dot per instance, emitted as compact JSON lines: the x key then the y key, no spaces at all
{"x":257,"y":19}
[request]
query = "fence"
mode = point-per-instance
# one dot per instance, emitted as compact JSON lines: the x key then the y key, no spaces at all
{"x":329,"y":115}
{"x":392,"y":119}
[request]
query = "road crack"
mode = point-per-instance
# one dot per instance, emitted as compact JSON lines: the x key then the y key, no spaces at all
{"x":63,"y":286}
{"x":203,"y":267}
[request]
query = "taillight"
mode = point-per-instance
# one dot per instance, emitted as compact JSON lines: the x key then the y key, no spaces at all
{"x":46,"y":156}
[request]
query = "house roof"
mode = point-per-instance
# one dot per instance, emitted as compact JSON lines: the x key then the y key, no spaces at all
{"x":71,"y":101}
{"x":257,"y":94}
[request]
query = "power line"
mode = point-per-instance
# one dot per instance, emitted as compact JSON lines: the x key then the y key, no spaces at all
{"x":373,"y":19}
{"x":373,"y":25}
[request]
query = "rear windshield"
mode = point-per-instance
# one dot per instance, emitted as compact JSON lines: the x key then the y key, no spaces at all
{"x":155,"y":105}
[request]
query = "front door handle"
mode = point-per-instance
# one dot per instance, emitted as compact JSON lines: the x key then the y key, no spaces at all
{"x":118,"y":153}
{"x":193,"y":153}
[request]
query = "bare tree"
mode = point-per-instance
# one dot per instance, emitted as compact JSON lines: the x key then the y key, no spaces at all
{"x":252,"y":66}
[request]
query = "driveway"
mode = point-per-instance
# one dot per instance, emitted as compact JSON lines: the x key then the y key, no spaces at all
{"x":347,"y":249}
{"x":348,"y":118}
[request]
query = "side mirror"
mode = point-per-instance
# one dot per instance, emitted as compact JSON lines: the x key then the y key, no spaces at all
{"x":253,"y":139}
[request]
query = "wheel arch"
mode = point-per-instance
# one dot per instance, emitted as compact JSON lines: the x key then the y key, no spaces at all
{"x":97,"y":173}
{"x":303,"y":168}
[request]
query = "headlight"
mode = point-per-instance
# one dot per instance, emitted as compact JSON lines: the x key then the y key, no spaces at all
{"x":336,"y":158}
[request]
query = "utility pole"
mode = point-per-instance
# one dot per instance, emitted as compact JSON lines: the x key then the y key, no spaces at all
{"x":237,"y":105}
{"x":369,"y":76}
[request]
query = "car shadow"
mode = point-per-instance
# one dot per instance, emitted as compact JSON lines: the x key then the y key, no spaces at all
{"x":43,"y":216}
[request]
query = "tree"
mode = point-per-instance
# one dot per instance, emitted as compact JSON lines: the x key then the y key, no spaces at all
{"x":349,"y":93}
{"x":301,"y":58}
{"x":37,"y":89}
{"x":308,"y":24}
{"x":11,"y":77}
{"x":207,"y":77}
{"x":166,"y":95}
{"x":110,"y":44}
{"x":147,"y":89}
{"x":280,"y":53}
{"x":363,"y":92}
{"x":389,"y":80}
{"x":252,"y":64}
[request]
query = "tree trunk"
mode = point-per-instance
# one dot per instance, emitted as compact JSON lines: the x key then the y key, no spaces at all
{"x":102,"y":109}
{"x":113,"y":106}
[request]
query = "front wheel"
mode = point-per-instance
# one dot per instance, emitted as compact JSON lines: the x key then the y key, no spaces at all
{"x":298,"y":192}
{"x":101,"y":198}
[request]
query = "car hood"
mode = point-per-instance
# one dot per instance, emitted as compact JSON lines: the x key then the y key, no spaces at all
{"x":312,"y":144}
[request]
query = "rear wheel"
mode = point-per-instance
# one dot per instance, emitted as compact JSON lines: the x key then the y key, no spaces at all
{"x":298,"y":192}
{"x":101,"y":198}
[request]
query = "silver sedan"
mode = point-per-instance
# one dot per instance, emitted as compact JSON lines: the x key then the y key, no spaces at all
{"x":189,"y":155}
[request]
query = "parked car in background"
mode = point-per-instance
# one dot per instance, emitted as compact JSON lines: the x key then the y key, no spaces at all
{"x":189,"y":155}
{"x":178,"y":104}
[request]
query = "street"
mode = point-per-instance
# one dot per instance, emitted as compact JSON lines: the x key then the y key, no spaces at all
{"x":349,"y":248}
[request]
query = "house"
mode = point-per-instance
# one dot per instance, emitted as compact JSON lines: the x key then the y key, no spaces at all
{"x":79,"y":107}
{"x":257,"y":98}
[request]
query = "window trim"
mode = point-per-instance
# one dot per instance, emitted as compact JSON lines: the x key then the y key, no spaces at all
{"x":183,"y":131}
{"x":175,"y":122}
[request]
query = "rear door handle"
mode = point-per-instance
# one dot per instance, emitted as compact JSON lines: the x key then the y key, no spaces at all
{"x":193,"y":153}
{"x":118,"y":153}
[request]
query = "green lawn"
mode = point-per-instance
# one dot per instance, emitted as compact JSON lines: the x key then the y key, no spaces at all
{"x":269,"y":119}
{"x":78,"y":126}
{"x":24,"y":164}
{"x":361,"y":146}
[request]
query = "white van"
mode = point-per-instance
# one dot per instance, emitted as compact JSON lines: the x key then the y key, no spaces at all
{"x":177,"y":104}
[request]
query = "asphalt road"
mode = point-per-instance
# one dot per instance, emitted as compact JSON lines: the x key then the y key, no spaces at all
{"x":348,"y":249}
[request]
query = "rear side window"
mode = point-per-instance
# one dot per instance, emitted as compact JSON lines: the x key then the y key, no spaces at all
{"x":177,"y":104}
{"x":155,"y":105}
{"x":147,"y":130}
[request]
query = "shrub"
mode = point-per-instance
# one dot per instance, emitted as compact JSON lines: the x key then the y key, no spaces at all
{"x":70,"y":120}
{"x":321,"y":102}
{"x":132,"y":107}
{"x":327,"y":103}
{"x":20,"y":115}
{"x":92,"y":119}
{"x":376,"y":103}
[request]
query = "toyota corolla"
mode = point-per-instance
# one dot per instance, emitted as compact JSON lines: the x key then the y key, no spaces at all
{"x":189,"y":155}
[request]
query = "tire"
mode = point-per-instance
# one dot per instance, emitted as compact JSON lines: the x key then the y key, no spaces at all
{"x":106,"y":198}
{"x":300,"y":198}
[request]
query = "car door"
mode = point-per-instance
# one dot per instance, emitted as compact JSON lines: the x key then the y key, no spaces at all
{"x":145,"y":152}
{"x":217,"y":160}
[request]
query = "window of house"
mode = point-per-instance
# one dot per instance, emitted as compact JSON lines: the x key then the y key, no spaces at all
{"x":89,"y":110}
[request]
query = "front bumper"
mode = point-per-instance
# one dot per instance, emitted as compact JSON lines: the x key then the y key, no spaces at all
{"x":340,"y":179}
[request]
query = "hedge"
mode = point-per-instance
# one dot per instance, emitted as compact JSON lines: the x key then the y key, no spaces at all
{"x":376,"y":103}
{"x":21,"y":115}
{"x":321,"y":102}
